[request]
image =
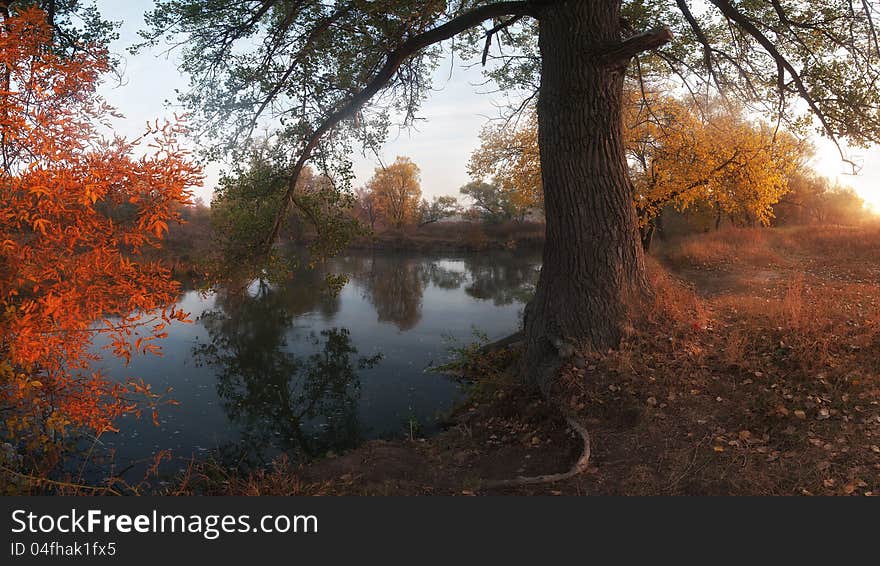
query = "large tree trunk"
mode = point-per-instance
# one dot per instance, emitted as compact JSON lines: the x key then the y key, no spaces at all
{"x":593,"y":266}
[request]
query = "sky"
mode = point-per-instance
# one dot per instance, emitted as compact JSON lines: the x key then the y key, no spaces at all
{"x":440,"y":144}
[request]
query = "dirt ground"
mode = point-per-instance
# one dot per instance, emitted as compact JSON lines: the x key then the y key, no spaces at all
{"x":756,"y":371}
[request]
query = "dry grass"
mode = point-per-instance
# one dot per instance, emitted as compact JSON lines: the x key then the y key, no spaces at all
{"x":725,"y":247}
{"x":777,"y":394}
{"x":212,"y":478}
{"x":837,"y":242}
{"x":675,"y":301}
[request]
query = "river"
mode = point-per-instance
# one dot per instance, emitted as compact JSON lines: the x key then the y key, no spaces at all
{"x":292,"y":367}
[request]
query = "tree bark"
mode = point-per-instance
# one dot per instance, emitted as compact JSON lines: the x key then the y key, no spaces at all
{"x":593,"y":263}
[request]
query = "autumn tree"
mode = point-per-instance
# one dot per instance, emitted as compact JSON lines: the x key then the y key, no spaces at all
{"x":700,"y":152}
{"x":77,"y":212}
{"x":681,"y":153}
{"x":397,"y":191}
{"x":328,"y":72}
{"x":439,"y":208}
{"x":366,"y":208}
{"x":813,"y":199}
{"x":509,"y":156}
{"x":75,"y":24}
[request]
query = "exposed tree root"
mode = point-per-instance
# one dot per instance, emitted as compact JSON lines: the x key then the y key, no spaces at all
{"x":549,"y":368}
{"x":579,"y":467}
{"x":506,"y":342}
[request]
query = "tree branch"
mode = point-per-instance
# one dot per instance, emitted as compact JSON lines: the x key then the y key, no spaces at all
{"x":385,"y":74}
{"x":493,"y":31}
{"x":734,"y":15}
{"x":701,"y":38}
{"x":633,"y":45}
{"x":319,"y":29}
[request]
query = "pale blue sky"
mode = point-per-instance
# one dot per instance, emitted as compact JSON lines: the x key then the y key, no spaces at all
{"x":440,"y":145}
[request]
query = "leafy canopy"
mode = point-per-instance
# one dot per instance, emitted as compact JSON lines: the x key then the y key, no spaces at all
{"x":321,"y":75}
{"x":437,"y":209}
{"x":492,"y":202}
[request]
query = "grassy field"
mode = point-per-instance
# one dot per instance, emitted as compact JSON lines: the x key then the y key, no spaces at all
{"x":754,"y":371}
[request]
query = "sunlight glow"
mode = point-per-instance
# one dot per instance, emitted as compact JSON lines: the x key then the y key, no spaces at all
{"x":866,"y":183}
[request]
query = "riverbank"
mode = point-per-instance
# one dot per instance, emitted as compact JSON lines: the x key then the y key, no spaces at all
{"x":188,"y":250}
{"x":457,"y":237}
{"x":754,"y":373}
{"x":757,"y":373}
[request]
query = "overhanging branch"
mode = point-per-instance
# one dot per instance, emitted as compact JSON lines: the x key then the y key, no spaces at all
{"x":493,"y":31}
{"x":783,"y":64}
{"x":383,"y":76}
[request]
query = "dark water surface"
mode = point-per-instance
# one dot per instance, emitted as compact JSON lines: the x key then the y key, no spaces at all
{"x":291,"y":367}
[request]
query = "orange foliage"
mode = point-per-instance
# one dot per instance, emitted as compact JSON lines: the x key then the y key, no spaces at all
{"x":76,"y":210}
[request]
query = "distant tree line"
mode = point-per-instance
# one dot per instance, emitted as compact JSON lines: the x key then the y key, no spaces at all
{"x":697,"y":163}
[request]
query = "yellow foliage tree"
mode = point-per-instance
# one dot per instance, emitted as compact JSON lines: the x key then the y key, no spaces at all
{"x":680,"y":154}
{"x":512,"y":159}
{"x":710,"y":154}
{"x":397,"y":192}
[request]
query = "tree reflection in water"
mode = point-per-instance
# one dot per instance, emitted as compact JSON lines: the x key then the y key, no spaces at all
{"x":503,"y":279}
{"x":300,"y":403}
{"x":299,"y":392}
{"x":395,"y":283}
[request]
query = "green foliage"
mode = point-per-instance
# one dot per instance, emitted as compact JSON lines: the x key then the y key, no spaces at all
{"x":439,"y":208}
{"x":244,"y":204}
{"x":493,"y":203}
{"x":247,"y":201}
{"x":464,"y":357}
{"x":285,"y":65}
{"x":75,"y":23}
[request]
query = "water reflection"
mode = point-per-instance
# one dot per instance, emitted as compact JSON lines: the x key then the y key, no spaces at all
{"x":502,"y":279}
{"x":281,"y":400}
{"x":395,"y":284}
{"x":288,"y":366}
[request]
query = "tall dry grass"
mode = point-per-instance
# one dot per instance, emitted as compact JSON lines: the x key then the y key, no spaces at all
{"x":724,"y":247}
{"x":674,"y":302}
{"x":860,"y":241}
